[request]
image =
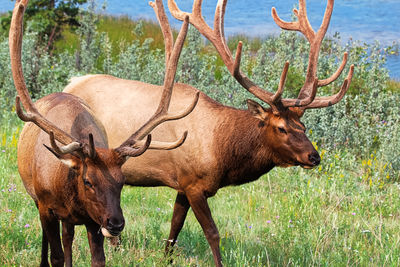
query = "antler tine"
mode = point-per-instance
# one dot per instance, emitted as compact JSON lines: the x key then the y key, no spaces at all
{"x":165,"y":28}
{"x":302,"y":24}
{"x":219,"y":28}
{"x":15,"y":42}
{"x":321,"y":102}
{"x":72,"y":147}
{"x":170,"y":70}
{"x":278,"y":94}
{"x":161,"y":115}
{"x":32,"y":115}
{"x":315,"y":39}
{"x":195,"y":17}
{"x":129,"y":151}
{"x":92,"y":149}
{"x":290,"y":26}
{"x":315,"y":44}
{"x":216,"y":37}
{"x":336,"y":74}
{"x":238,"y":58}
{"x":197,"y":20}
{"x":165,"y":145}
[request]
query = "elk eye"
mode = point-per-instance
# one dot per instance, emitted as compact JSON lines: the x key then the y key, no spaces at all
{"x":87,"y":183}
{"x":282,"y":130}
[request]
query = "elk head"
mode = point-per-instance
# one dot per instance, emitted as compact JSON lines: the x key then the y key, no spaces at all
{"x":284,"y":132}
{"x":95,"y":171}
{"x":97,"y":176}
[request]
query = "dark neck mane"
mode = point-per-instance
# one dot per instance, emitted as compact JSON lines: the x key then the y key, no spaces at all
{"x":239,"y":147}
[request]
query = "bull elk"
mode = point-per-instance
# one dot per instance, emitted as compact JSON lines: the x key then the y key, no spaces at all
{"x":227,"y":146}
{"x":80,"y":181}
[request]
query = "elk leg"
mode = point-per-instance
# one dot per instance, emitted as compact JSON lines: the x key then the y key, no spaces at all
{"x":45,"y":251}
{"x":44,"y":261}
{"x":68,"y":232}
{"x":199,"y":205}
{"x":181,"y":208}
{"x":51,"y":229}
{"x":96,"y":241}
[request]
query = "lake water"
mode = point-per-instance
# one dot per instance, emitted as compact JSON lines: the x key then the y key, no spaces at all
{"x":364,"y":20}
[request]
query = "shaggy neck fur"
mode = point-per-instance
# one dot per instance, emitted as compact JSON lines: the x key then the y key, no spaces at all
{"x":243,"y":155}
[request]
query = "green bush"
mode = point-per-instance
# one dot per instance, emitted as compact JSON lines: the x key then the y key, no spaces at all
{"x":365,"y":122}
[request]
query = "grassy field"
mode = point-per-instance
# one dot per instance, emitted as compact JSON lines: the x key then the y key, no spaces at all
{"x":328,"y":216}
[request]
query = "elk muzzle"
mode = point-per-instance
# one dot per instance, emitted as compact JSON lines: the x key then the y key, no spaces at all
{"x":310,"y":160}
{"x":314,"y":158}
{"x":113,"y":226}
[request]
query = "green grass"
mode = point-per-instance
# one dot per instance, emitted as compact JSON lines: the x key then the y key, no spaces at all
{"x":120,"y":30}
{"x":329,"y":216}
{"x":393,"y":86}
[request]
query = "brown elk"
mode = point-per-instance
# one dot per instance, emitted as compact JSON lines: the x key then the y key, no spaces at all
{"x":227,"y":146}
{"x":80,"y":181}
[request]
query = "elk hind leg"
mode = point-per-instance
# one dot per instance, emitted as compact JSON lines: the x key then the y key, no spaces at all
{"x":181,"y":208}
{"x":199,"y":205}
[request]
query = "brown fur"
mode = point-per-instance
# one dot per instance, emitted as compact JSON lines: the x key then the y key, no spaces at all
{"x":225,"y":146}
{"x":59,"y":191}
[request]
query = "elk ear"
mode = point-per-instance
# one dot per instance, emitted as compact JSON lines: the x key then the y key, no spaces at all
{"x":256,"y":109}
{"x":67,"y":160}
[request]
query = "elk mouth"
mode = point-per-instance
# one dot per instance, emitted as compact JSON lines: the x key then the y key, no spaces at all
{"x":109,"y":233}
{"x":307,"y":166}
{"x":312,"y":160}
{"x":110,"y":230}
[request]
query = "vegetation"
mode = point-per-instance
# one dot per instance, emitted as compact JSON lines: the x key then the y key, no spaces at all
{"x":48,"y":18}
{"x":344,"y":212}
{"x":326,"y":216}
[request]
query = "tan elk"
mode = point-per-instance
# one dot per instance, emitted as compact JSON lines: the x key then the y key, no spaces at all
{"x":226,"y":146}
{"x":65,"y":163}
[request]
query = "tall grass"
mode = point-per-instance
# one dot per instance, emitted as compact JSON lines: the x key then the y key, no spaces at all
{"x":345,"y":212}
{"x":328,"y":216}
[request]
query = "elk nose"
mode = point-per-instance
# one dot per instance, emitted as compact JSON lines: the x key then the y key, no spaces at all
{"x":115,"y":225}
{"x":314,"y":158}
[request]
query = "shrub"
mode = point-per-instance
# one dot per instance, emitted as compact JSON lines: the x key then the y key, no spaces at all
{"x":365,"y":122}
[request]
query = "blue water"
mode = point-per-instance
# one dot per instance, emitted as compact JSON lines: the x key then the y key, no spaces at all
{"x":364,"y":20}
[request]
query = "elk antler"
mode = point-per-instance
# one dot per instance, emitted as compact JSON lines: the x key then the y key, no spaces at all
{"x":71,"y":144}
{"x":217,"y":38}
{"x":315,"y":39}
{"x":64,"y":149}
{"x":172,"y":53}
{"x":32,"y":115}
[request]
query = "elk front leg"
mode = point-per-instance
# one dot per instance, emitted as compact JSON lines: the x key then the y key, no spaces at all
{"x":199,"y":205}
{"x":68,"y":232}
{"x":181,"y":208}
{"x":96,"y":241}
{"x":51,"y":232}
{"x":44,"y":262}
